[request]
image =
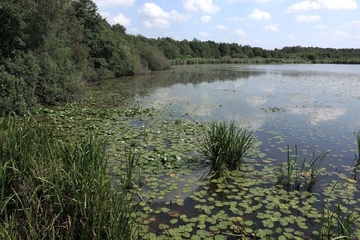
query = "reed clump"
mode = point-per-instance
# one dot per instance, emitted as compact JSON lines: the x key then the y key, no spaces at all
{"x":296,"y":175}
{"x":50,"y":189}
{"x":224,"y":147}
{"x":334,"y":225}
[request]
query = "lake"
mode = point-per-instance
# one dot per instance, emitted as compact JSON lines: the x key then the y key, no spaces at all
{"x":313,"y":107}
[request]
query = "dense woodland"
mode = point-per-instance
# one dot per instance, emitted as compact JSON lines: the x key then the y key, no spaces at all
{"x":49,"y":50}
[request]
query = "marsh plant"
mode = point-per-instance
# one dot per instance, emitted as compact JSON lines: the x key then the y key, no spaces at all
{"x":297,"y":175}
{"x":224,"y":146}
{"x":356,"y":170}
{"x":334,"y":225}
{"x":56,"y":190}
{"x":131,"y":173}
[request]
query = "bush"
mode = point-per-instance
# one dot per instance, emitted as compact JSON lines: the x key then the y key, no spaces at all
{"x":153,"y":57}
{"x":224,"y":146}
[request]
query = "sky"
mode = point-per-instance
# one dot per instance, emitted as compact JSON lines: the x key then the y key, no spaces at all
{"x":268,"y":24}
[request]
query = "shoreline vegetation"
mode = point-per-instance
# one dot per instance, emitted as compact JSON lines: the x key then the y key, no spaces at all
{"x":51,"y":189}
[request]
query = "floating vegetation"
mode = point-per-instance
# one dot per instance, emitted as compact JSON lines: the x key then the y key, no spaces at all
{"x":224,"y":146}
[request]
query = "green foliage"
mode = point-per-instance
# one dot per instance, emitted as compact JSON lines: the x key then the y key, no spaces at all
{"x":56,"y":190}
{"x":18,"y":81}
{"x":333,"y":225}
{"x":152,"y":57}
{"x":224,"y":146}
{"x":11,"y":30}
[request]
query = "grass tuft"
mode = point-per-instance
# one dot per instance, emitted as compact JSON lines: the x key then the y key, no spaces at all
{"x":224,"y":147}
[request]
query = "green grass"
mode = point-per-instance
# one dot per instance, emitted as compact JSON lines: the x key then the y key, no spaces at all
{"x":56,"y":190}
{"x":295,"y":176}
{"x":224,"y":147}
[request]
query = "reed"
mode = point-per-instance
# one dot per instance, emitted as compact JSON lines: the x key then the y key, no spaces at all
{"x":295,"y":176}
{"x":334,"y":225}
{"x":224,"y":147}
{"x":131,"y":164}
{"x":56,"y":190}
{"x":357,"y":157}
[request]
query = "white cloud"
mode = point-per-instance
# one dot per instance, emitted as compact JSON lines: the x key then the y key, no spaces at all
{"x":259,"y":15}
{"x":322,"y":4}
{"x":320,"y":27}
{"x":200,"y":5}
{"x":352,"y":24}
{"x":135,"y":30}
{"x":157,"y":23}
{"x":121,"y":19}
{"x":204,"y":34}
{"x":240,"y":32}
{"x":235,"y":19}
{"x":307,"y":18}
{"x":220,"y":27}
{"x":290,"y":36}
{"x":153,"y":10}
{"x":341,"y":34}
{"x":109,"y":3}
{"x":205,"y":18}
{"x":270,"y":28}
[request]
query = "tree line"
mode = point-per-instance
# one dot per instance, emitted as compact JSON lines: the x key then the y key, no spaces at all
{"x":49,"y":49}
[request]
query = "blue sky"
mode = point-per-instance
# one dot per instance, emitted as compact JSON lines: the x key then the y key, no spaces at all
{"x":259,"y":23}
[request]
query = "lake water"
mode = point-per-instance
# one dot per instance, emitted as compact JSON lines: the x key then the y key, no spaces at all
{"x":316,"y":107}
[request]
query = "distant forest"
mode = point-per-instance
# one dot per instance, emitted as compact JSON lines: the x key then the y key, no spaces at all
{"x":50,"y":49}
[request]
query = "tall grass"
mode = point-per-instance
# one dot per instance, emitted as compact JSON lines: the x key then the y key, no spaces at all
{"x":55,"y":190}
{"x":303,"y":176}
{"x":224,"y":147}
{"x":128,"y":177}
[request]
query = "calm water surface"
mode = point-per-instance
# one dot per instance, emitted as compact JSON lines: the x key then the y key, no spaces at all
{"x":314,"y":106}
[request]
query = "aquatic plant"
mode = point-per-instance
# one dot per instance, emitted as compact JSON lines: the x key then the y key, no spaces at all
{"x":299,"y":177}
{"x":131,"y":162}
{"x":56,"y":190}
{"x":224,"y":147}
{"x":334,"y":225}
{"x":357,"y":158}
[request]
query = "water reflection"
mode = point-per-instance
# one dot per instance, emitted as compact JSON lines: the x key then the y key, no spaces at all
{"x":317,"y":92}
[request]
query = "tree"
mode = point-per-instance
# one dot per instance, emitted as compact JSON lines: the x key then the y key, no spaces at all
{"x":11,"y":30}
{"x":224,"y":49}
